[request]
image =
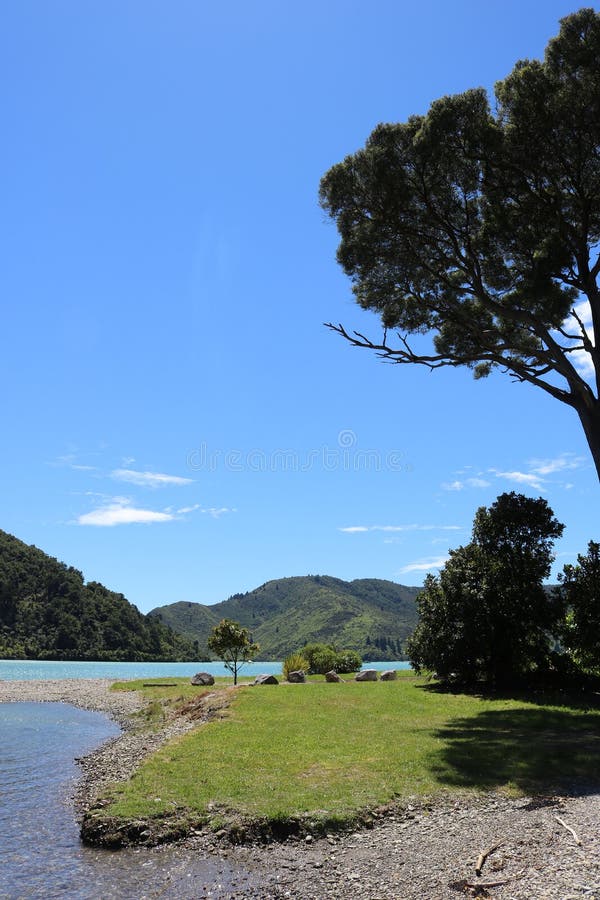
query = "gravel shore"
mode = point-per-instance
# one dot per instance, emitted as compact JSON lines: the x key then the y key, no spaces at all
{"x":420,"y":852}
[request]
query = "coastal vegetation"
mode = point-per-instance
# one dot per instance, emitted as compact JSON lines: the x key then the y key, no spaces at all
{"x":48,"y":611}
{"x":371,"y":616}
{"x":488,"y":618}
{"x":233,"y":645}
{"x":478,"y":224}
{"x":320,"y":756}
{"x":321,"y":658}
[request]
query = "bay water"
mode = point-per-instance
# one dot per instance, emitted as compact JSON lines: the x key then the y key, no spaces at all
{"x":49,"y":670}
{"x":41,"y":855}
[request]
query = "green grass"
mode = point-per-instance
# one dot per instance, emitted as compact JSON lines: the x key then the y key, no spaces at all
{"x":151,"y":687}
{"x":331,"y":750}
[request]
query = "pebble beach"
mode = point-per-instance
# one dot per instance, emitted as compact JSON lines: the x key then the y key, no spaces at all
{"x":540,"y":848}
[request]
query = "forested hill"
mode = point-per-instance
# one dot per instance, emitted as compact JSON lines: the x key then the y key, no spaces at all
{"x":369,"y":615}
{"x":47,"y":611}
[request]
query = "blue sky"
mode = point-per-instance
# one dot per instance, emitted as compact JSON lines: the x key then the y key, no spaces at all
{"x":178,"y":423}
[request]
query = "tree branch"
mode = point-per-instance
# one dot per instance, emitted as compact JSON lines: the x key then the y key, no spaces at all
{"x":520,"y":370}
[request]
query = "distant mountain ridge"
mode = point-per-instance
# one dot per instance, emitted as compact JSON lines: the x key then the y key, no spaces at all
{"x":47,"y":611}
{"x":370,"y":615}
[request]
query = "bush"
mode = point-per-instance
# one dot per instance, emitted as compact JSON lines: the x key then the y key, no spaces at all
{"x":323,"y":661}
{"x":348,"y":661}
{"x":322,"y":658}
{"x":311,"y":651}
{"x":293,"y":663}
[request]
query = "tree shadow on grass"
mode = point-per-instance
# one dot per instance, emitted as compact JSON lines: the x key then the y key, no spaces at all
{"x":536,"y":750}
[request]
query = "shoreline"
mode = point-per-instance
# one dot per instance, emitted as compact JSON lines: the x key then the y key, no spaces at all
{"x":422,"y":850}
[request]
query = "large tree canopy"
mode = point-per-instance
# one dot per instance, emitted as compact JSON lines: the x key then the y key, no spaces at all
{"x":487,"y":616}
{"x":581,"y":588}
{"x":481,"y":227}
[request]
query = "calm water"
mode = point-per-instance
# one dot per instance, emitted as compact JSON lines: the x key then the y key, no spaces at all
{"x":40,"y":852}
{"x":25,"y":670}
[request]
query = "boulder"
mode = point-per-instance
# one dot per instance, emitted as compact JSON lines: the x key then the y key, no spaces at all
{"x":265,"y":679}
{"x":202,"y":678}
{"x":388,"y":675}
{"x":297,"y":677}
{"x":332,"y":676}
{"x":366,"y":675}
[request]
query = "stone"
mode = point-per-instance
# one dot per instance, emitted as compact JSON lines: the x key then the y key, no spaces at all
{"x":366,"y":675}
{"x":202,"y":678}
{"x":297,"y":677}
{"x":389,"y":675}
{"x":332,"y":676}
{"x":265,"y":679}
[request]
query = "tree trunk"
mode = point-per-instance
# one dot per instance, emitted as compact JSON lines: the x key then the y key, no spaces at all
{"x":590,"y":419}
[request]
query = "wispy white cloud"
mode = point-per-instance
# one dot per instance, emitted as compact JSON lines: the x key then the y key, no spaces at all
{"x":531,"y":479}
{"x":355,"y":529}
{"x":534,"y":474}
{"x":454,"y":485}
{"x":214,"y":511}
{"x":121,"y":512}
{"x":474,"y":482}
{"x":124,"y":511}
{"x":559,"y":464}
{"x":188,"y":509}
{"x":148,"y":479}
{"x":217,"y":511}
{"x":538,"y":470}
{"x":424,"y":565}
{"x":69,"y":461}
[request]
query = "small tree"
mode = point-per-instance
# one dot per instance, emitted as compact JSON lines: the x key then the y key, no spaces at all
{"x":233,"y":645}
{"x":487,"y":616}
{"x":581,"y":589}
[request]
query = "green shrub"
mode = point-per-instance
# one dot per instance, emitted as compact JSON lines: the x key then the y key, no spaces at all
{"x":311,"y":651}
{"x":323,"y":657}
{"x":294,"y":663}
{"x":348,"y":661}
{"x":323,"y":661}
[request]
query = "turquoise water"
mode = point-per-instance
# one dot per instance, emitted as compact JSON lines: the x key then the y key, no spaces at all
{"x":29,"y":670}
{"x":40,"y":853}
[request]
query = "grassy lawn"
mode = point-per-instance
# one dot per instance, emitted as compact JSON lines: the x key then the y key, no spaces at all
{"x":329,"y":750}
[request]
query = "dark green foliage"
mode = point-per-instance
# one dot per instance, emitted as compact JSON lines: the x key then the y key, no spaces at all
{"x":192,"y":620}
{"x":288,"y":612}
{"x":581,"y":590}
{"x":323,"y":658}
{"x":47,"y":611}
{"x":232,"y":644}
{"x":480,"y":226}
{"x":348,"y":661}
{"x":487,"y":616}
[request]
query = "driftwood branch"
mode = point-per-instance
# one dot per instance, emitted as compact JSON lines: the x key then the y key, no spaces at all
{"x":484,"y":855}
{"x":568,"y":827}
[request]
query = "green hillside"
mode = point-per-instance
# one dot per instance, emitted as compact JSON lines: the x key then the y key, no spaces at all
{"x":47,"y":611}
{"x":369,"y":615}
